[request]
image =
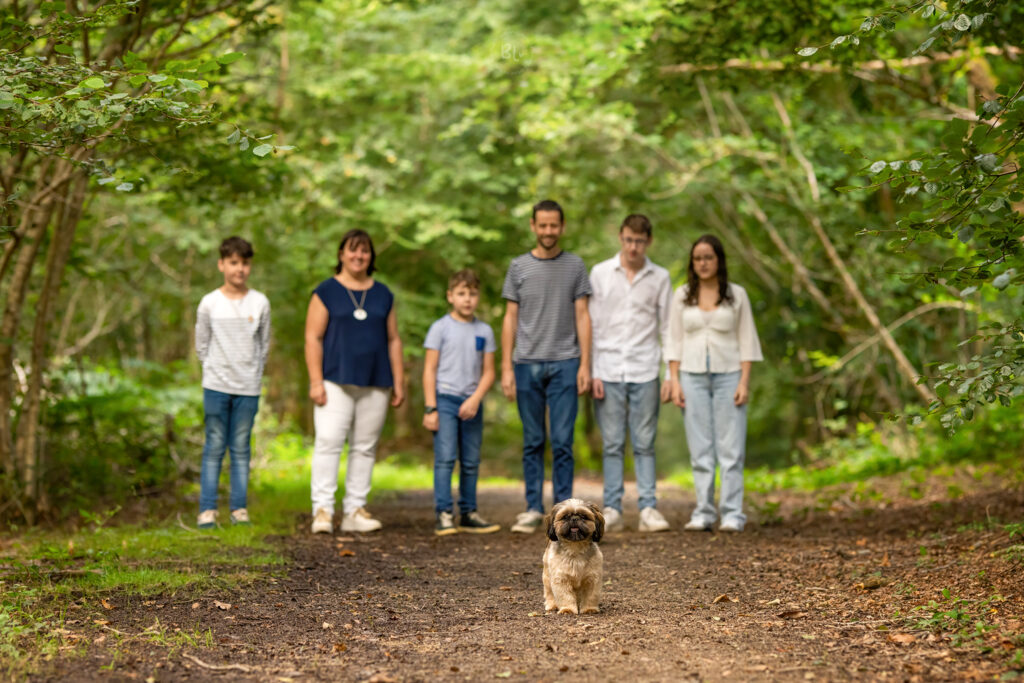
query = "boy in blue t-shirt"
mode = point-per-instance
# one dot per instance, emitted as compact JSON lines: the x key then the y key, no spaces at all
{"x":458,"y":372}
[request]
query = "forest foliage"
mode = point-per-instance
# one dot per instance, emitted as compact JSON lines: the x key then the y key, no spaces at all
{"x":860,"y":162}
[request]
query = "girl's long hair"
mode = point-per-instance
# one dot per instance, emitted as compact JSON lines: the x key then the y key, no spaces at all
{"x":693,"y":282}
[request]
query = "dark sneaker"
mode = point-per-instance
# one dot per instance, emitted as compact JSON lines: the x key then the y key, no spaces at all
{"x":473,"y":523}
{"x":445,"y":524}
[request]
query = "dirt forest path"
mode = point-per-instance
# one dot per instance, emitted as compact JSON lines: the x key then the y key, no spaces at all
{"x":810,"y":597}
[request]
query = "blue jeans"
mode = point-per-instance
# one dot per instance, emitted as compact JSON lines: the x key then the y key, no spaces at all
{"x":460,"y":440}
{"x":632,"y":404}
{"x":716,"y":433}
{"x":229,"y":419}
{"x":547,"y":387}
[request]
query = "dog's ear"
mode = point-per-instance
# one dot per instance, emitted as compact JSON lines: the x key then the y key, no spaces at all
{"x":598,"y":522}
{"x":549,"y":522}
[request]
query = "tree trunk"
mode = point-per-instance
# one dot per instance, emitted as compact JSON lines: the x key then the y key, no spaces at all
{"x":27,"y":448}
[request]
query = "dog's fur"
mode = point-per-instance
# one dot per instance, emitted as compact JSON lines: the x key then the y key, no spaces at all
{"x":572,"y":561}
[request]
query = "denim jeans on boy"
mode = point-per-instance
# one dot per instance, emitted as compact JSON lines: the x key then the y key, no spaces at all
{"x":632,"y":404}
{"x":547,"y":387}
{"x":460,"y":440}
{"x":716,"y":432}
{"x":229,"y":419}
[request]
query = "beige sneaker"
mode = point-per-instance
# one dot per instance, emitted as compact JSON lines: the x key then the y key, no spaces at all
{"x":527,"y":522}
{"x":360,"y":520}
{"x":652,"y":520}
{"x":240,"y":516}
{"x":322,"y":521}
{"x":207,"y":519}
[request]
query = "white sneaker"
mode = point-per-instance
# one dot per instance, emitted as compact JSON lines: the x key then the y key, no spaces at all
{"x":730,"y":527}
{"x":612,"y":519}
{"x":359,"y":520}
{"x":652,"y":520}
{"x":527,"y":522}
{"x":696,"y":525}
{"x":240,"y":516}
{"x":207,"y":519}
{"x":323,"y":521}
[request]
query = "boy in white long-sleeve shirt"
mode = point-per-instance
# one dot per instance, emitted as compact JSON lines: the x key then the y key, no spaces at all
{"x":232,"y":341}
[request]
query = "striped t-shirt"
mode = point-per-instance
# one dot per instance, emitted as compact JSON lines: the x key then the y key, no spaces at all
{"x":546,"y":291}
{"x":232,"y":341}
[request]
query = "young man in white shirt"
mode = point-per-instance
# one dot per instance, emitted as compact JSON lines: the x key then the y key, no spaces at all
{"x":629,"y":311}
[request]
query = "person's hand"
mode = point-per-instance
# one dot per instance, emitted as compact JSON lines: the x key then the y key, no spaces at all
{"x":318,"y":393}
{"x":742,"y":395}
{"x":397,"y":395}
{"x":677,"y":395}
{"x":666,"y":391}
{"x":508,"y":383}
{"x":469,"y":408}
{"x":583,"y":380}
{"x":432,"y":421}
{"x":597,"y":389}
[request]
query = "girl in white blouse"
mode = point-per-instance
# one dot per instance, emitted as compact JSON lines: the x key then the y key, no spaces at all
{"x":712,"y":344}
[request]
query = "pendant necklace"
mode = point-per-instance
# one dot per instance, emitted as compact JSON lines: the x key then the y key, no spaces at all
{"x":360,"y":312}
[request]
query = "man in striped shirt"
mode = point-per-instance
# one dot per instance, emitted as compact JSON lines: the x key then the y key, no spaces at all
{"x":545,"y":364}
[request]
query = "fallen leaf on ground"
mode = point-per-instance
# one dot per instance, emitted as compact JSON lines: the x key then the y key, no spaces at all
{"x":503,"y":674}
{"x":327,"y":626}
{"x":340,"y":647}
{"x":195,"y":605}
{"x":106,"y":604}
{"x":724,"y":598}
{"x":100,"y":622}
{"x":380,"y":678}
{"x":885,"y":560}
{"x":533,"y":614}
{"x":596,"y":642}
{"x":757,"y":667}
{"x":504,"y":588}
{"x":222,"y":605}
{"x":346,"y":553}
{"x":901,"y":638}
{"x":793,"y":614}
{"x":776,"y":601}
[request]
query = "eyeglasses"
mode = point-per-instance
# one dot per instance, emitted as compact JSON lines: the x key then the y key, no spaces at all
{"x":633,"y":242}
{"x":705,"y":258}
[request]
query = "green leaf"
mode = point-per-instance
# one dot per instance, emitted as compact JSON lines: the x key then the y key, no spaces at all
{"x":806,"y":51}
{"x":877,"y":167}
{"x":230,"y":57}
{"x":64,"y":49}
{"x":95,"y":83}
{"x":928,"y":11}
{"x":839,"y":40}
{"x":137,"y":80}
{"x":962,"y":22}
{"x":158,"y":78}
{"x":235,"y":134}
{"x":263,"y":150}
{"x":243,"y":145}
{"x":1002,"y":281}
{"x":124,"y":187}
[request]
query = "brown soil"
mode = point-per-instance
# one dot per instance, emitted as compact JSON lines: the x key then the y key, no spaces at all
{"x":813,"y":593}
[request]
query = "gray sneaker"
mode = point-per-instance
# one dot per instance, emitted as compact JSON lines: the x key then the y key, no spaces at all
{"x":527,"y":522}
{"x":652,"y":520}
{"x":612,"y":520}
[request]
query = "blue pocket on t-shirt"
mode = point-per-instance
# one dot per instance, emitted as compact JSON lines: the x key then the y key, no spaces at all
{"x":480,"y":341}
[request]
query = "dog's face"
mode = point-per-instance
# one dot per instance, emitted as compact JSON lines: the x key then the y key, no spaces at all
{"x":574,"y":520}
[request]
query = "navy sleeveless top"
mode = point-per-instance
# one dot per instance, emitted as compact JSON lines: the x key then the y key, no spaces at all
{"x":356,"y":351}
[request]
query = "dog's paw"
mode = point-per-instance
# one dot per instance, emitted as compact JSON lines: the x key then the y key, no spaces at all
{"x":550,"y":606}
{"x":568,"y":610}
{"x":590,"y":610}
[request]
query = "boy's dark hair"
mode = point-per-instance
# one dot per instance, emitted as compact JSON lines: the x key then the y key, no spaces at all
{"x":637,"y":222}
{"x":548,"y":205}
{"x":235,"y":246}
{"x":467,"y":277}
{"x":358,"y":237}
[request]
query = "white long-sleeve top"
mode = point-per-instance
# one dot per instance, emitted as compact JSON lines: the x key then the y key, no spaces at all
{"x":726,"y":335}
{"x":232,"y":341}
{"x":629,"y":319}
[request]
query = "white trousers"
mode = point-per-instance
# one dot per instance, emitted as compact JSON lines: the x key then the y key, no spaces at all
{"x":355,"y":414}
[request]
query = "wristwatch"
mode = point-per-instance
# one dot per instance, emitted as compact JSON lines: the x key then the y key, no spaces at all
{"x":427,"y":410}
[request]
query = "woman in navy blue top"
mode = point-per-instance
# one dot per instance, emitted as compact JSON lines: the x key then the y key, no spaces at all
{"x":354,"y":359}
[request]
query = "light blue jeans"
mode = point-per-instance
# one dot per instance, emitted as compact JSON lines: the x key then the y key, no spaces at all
{"x":633,"y":405}
{"x":716,"y":433}
{"x":229,"y":419}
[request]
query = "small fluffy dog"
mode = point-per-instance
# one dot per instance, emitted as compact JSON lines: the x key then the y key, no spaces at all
{"x":572,"y":561}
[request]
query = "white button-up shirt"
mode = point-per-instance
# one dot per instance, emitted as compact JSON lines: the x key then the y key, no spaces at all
{"x":629,"y":320}
{"x":726,"y":335}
